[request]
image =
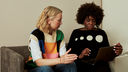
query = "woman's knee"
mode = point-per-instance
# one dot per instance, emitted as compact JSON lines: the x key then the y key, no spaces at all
{"x":42,"y":69}
{"x":66,"y":67}
{"x":71,"y":67}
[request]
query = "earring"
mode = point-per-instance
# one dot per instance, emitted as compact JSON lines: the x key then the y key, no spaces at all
{"x":95,"y":26}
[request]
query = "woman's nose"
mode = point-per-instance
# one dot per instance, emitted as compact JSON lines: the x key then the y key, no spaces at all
{"x":61,"y":23}
{"x":91,"y":22}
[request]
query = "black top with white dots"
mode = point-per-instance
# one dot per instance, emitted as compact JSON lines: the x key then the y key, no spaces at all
{"x":92,"y":39}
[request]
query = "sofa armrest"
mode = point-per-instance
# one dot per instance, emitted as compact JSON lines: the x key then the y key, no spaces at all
{"x":0,"y":59}
{"x":119,"y":64}
{"x":11,"y":61}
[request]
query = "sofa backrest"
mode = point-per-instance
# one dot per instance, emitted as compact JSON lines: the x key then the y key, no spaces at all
{"x":22,"y":50}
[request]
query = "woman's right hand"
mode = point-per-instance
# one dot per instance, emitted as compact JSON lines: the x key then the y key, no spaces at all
{"x":85,"y":52}
{"x":68,"y":58}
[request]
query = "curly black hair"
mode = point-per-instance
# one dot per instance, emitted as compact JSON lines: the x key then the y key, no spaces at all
{"x":90,"y":9}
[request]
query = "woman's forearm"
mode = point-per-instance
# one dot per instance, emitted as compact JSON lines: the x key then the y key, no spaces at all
{"x":48,"y":62}
{"x":64,"y":59}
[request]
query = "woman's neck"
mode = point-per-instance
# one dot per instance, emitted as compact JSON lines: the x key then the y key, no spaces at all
{"x":51,"y":31}
{"x":85,"y":28}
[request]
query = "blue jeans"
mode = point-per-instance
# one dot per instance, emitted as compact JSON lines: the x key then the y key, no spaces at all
{"x":57,"y":68}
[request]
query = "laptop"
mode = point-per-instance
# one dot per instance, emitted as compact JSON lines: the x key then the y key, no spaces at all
{"x":105,"y":54}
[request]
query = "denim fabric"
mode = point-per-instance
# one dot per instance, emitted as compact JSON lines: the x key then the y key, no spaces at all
{"x":57,"y":68}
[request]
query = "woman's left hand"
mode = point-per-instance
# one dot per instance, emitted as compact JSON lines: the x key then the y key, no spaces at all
{"x":118,"y":49}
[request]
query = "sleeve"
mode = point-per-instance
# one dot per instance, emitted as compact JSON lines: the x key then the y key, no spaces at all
{"x":35,"y":49}
{"x":62,"y":48}
{"x":70,"y":43}
{"x":62,"y":45}
{"x":105,"y":39}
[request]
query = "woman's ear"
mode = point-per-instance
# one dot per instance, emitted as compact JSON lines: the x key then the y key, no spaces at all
{"x":49,"y":21}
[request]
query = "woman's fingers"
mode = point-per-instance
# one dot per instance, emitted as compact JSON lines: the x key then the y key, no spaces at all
{"x":68,"y":51}
{"x":118,"y":49}
{"x":118,"y":52}
{"x":72,"y":55}
{"x":86,"y":51}
{"x":68,"y":58}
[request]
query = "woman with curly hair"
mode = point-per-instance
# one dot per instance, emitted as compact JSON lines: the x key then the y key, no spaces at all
{"x":86,"y":41}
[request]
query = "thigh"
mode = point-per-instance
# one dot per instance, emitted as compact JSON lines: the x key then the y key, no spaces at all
{"x":84,"y":67}
{"x":65,"y":67}
{"x":42,"y":69}
{"x":102,"y":66}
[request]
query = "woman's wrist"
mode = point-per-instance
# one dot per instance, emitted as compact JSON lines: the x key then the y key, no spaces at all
{"x":60,"y":61}
{"x":81,"y":56}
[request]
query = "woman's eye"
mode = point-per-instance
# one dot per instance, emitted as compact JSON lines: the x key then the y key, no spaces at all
{"x":94,"y":21}
{"x":88,"y":20}
{"x":59,"y":20}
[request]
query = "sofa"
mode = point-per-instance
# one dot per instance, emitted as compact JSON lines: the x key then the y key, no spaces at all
{"x":120,"y":63}
{"x":13,"y":60}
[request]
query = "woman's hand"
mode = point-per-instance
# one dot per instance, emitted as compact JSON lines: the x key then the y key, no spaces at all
{"x":68,"y":58}
{"x":85,"y":52}
{"x":118,"y":49}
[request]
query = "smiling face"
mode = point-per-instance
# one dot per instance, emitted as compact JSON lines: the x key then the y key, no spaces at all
{"x":55,"y":22}
{"x":89,"y":23}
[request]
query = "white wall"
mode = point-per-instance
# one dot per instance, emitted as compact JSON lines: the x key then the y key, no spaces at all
{"x":19,"y":17}
{"x":115,"y":22}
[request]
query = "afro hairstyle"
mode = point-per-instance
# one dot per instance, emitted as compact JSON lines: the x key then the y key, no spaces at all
{"x":90,"y":9}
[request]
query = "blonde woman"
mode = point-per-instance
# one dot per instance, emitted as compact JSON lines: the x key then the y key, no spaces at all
{"x":47,"y":46}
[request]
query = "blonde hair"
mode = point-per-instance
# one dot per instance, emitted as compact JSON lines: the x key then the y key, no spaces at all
{"x":48,"y":12}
